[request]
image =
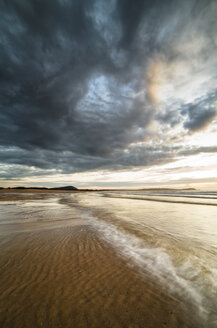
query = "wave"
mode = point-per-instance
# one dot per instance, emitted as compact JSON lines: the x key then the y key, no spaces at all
{"x":156,"y":262}
{"x":162,"y":200}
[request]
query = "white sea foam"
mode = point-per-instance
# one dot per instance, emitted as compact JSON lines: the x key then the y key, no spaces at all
{"x":182,"y":260}
{"x":179,"y":281}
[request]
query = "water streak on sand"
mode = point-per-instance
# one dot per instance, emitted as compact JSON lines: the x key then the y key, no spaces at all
{"x":187,"y":271}
{"x":154,"y":260}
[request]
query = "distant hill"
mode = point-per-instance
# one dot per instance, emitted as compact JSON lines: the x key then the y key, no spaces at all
{"x":64,"y":188}
{"x":42,"y":188}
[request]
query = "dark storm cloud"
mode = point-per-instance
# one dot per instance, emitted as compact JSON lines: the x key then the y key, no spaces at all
{"x":72,"y":80}
{"x":198,"y":118}
{"x":49,"y":51}
{"x":197,"y":115}
{"x":200,"y":114}
{"x":171,"y":118}
{"x":199,"y":150}
{"x":131,"y":14}
{"x":68,"y":162}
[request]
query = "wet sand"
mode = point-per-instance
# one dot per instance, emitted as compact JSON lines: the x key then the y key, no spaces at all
{"x":70,"y":277}
{"x":26,"y":194}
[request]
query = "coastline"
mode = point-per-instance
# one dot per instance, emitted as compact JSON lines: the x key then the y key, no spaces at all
{"x":70,"y":277}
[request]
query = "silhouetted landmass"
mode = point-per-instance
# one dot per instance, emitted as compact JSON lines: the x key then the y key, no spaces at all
{"x":64,"y":188}
{"x":72,"y":188}
{"x":21,"y":188}
{"x":167,"y":189}
{"x":42,"y":188}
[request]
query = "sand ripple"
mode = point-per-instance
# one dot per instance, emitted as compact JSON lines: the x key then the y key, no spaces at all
{"x":70,"y":277}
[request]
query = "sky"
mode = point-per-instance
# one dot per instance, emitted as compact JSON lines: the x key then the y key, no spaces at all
{"x":108,"y":93}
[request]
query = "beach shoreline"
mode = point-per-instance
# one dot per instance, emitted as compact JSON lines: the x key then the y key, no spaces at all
{"x":71,"y":277}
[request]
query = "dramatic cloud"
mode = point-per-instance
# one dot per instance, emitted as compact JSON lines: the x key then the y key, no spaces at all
{"x":200,"y":114}
{"x":97,"y":84}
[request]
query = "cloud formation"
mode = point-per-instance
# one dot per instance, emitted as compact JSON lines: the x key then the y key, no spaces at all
{"x":86,"y":85}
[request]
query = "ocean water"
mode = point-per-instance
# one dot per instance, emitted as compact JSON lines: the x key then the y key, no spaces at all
{"x":168,"y":236}
{"x":172,"y":235}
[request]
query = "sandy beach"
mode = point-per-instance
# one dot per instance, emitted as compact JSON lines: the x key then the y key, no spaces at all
{"x":108,"y":164}
{"x":68,"y":276}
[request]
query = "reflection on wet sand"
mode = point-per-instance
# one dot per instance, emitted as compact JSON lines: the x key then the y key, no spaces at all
{"x":66,"y":274}
{"x":68,"y":277}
